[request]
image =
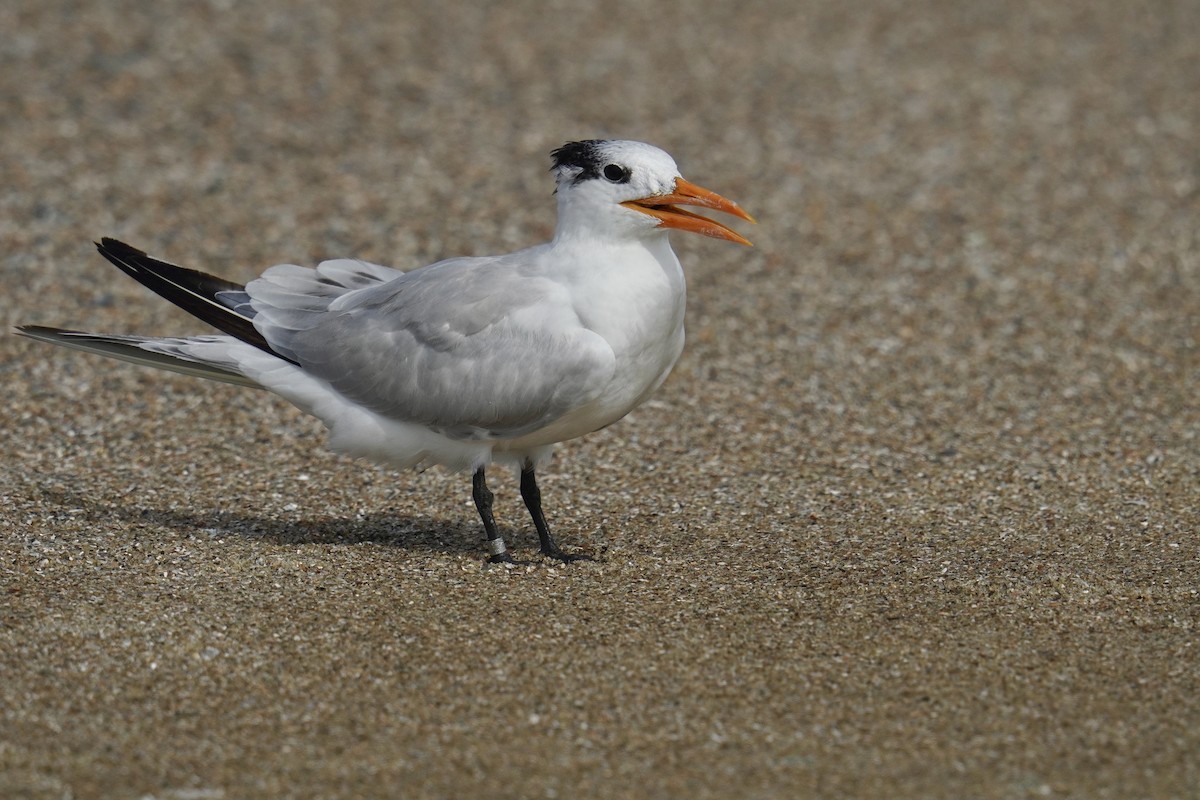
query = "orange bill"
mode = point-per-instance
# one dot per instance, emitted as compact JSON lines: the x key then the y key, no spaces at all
{"x":664,"y":208}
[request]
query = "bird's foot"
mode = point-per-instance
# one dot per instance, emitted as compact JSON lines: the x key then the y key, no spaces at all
{"x":499,"y":552}
{"x":554,"y":551}
{"x":506,"y":559}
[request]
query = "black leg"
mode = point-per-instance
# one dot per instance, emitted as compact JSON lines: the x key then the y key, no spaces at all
{"x":533,"y":501}
{"x":483,"y":501}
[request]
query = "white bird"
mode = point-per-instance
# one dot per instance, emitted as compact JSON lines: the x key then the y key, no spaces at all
{"x":468,"y":361}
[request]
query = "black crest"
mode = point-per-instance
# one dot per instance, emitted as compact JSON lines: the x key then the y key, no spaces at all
{"x":583,"y":156}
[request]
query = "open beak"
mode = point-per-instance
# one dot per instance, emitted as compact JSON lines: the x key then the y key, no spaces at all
{"x":663,"y":208}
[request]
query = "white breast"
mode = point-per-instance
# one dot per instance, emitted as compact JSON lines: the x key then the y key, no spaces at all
{"x":634,"y":297}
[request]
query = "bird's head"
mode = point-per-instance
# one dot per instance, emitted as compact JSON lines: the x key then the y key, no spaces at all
{"x":612,"y":187}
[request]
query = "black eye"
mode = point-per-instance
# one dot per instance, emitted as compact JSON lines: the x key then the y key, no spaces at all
{"x":616,"y":173}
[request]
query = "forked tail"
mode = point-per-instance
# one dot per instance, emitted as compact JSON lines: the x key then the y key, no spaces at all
{"x":290,"y":297}
{"x":177,"y":354}
{"x":221,"y":303}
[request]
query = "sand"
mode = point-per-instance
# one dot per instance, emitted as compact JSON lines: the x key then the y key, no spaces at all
{"x":915,"y":516}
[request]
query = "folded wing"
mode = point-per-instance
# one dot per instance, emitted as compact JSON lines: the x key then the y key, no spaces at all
{"x":471,"y":348}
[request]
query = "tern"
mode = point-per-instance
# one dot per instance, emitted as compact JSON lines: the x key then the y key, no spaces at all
{"x":466,"y":362}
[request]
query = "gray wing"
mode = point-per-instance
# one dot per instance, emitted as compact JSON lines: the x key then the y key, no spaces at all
{"x":473,"y":348}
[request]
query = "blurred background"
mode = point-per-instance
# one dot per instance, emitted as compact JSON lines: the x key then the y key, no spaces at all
{"x":915,"y":516}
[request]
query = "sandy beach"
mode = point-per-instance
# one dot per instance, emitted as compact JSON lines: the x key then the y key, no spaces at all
{"x":916,"y":516}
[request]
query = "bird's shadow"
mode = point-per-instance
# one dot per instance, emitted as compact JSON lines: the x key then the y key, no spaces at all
{"x":418,"y":533}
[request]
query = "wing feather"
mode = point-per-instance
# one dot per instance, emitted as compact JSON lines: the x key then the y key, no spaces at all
{"x":473,"y":348}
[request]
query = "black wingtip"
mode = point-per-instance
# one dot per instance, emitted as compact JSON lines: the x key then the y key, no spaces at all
{"x":107,"y":244}
{"x":194,"y":291}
